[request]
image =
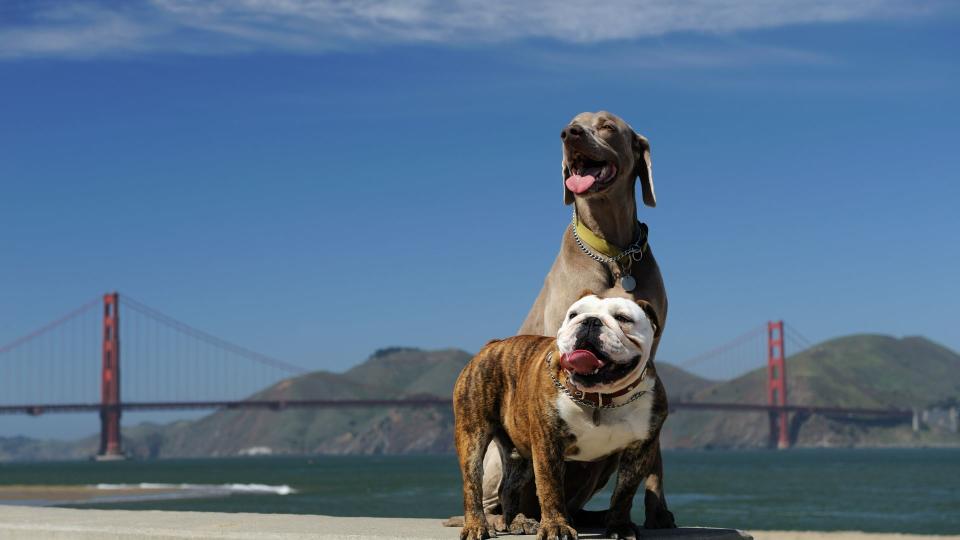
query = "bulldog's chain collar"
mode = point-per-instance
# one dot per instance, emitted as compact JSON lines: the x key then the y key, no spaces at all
{"x":577,"y":395}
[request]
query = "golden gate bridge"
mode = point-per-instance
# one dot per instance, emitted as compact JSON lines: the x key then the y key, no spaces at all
{"x":73,"y":364}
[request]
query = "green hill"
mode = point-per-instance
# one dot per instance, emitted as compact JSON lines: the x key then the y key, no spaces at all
{"x":680,"y":384}
{"x":872,"y":371}
{"x":389,"y":373}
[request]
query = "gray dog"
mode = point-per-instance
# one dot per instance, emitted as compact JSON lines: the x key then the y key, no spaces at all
{"x":604,"y":250}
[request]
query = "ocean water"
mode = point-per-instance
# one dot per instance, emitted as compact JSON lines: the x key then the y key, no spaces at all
{"x":891,"y":490}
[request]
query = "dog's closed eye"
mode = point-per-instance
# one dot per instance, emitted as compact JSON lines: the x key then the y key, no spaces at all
{"x":623,"y":318}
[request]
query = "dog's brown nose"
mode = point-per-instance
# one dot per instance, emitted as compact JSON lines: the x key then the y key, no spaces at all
{"x":572,"y":131}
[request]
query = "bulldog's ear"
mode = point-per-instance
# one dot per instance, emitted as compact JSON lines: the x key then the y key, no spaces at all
{"x":643,"y":168}
{"x":652,"y":315}
{"x":586,"y":292}
{"x":565,"y":172}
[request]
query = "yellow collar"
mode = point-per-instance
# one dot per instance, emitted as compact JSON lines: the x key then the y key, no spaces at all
{"x":599,"y":244}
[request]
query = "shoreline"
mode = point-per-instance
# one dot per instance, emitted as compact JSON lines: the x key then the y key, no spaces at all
{"x":48,"y":495}
{"x":53,"y":495}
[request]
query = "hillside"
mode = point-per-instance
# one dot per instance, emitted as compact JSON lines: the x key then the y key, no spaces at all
{"x":388,"y":373}
{"x":865,"y":370}
{"x":680,"y":384}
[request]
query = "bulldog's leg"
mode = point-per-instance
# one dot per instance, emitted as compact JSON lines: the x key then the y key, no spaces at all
{"x":471,"y":441}
{"x":638,"y":463}
{"x":655,"y":500}
{"x":517,"y":473}
{"x":548,"y":469}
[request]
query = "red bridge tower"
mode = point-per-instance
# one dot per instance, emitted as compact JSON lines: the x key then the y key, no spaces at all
{"x":110,"y":381}
{"x":777,"y":385}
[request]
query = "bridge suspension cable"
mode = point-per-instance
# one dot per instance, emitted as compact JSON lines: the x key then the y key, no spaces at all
{"x":748,"y":350}
{"x":59,"y":321}
{"x":746,"y":343}
{"x":55,"y":363}
{"x":796,"y":338}
{"x":181,"y":326}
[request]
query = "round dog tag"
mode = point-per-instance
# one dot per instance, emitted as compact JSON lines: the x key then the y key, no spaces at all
{"x":628,"y":283}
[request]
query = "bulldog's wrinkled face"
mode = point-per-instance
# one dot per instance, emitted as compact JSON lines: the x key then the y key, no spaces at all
{"x":604,"y":343}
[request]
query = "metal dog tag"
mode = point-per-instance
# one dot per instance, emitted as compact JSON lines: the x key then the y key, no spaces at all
{"x":628,"y":283}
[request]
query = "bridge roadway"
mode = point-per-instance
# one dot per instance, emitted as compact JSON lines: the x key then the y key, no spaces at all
{"x":277,"y":405}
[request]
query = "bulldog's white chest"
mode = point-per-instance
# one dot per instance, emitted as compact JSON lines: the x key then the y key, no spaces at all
{"x":617,"y":428}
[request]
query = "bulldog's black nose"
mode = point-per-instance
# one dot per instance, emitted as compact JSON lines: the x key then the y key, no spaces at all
{"x":572,"y":131}
{"x":592,"y":322}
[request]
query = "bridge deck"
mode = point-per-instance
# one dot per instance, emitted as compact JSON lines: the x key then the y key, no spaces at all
{"x":36,"y":409}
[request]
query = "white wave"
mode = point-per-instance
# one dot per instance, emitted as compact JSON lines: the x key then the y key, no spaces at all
{"x":261,"y":488}
{"x":224,"y":489}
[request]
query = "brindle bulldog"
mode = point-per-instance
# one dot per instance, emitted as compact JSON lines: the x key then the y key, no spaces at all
{"x":565,"y":413}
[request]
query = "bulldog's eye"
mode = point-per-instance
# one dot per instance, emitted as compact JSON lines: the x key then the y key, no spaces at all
{"x":572,"y":315}
{"x":623,"y":318}
{"x":608,"y":127}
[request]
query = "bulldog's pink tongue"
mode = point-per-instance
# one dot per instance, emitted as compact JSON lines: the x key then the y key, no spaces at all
{"x":581,"y":361}
{"x":578,"y":184}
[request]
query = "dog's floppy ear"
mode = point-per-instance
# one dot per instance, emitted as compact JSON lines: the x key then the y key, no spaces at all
{"x":652,"y":315}
{"x":586,"y":292}
{"x":643,"y":168}
{"x":565,"y":172}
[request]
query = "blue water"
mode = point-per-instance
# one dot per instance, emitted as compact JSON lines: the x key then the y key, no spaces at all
{"x":915,"y":491}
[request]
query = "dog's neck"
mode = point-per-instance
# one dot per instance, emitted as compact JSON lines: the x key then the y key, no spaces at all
{"x":614,"y":222}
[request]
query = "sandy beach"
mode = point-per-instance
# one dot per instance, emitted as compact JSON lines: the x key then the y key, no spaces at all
{"x":49,"y":495}
{"x":843,"y":535}
{"x":24,"y":520}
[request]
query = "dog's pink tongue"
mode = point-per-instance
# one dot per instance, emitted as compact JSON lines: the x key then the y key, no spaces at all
{"x":578,"y":184}
{"x":581,"y":361}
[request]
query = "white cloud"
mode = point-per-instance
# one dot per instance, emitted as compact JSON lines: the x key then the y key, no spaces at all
{"x":94,"y":28}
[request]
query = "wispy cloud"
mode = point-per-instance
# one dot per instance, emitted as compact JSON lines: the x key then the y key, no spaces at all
{"x":90,"y":28}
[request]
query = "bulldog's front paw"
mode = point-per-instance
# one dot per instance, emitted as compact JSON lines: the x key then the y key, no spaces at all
{"x":624,"y":530}
{"x":556,"y":530}
{"x":524,"y":525}
{"x":659,"y":518}
{"x":498,"y":522}
{"x":476,"y":532}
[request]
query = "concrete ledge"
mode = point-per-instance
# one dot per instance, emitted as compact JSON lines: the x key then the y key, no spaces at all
{"x":21,"y":522}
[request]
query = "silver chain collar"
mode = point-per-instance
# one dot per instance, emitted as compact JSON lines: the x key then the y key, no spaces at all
{"x":635,"y":247}
{"x":563,"y":388}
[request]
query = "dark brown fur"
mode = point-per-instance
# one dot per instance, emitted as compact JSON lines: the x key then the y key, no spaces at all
{"x":505,"y":394}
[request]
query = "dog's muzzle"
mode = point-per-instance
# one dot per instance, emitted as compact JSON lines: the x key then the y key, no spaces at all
{"x":587,"y":364}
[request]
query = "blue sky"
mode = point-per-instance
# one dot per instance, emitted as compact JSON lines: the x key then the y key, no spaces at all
{"x":315,"y":181}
